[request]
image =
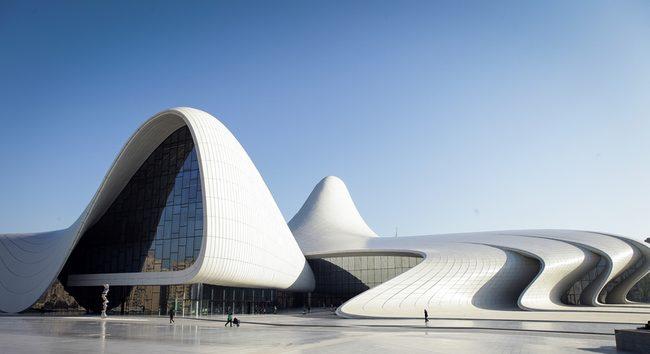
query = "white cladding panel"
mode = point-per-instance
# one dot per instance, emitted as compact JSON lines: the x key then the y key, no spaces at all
{"x":458,"y":269}
{"x":246,"y":241}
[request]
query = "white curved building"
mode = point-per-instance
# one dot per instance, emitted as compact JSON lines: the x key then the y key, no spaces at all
{"x":244,"y":240}
{"x":469,"y":274}
{"x":184,"y":220}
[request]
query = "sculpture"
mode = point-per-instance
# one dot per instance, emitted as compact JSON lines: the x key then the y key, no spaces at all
{"x":104,"y":300}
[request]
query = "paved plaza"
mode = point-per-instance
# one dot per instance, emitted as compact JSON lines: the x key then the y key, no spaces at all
{"x":296,"y":333}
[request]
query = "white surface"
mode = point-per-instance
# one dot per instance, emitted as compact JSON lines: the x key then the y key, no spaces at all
{"x":473,"y":274}
{"x":329,"y":216}
{"x":246,"y":241}
{"x":287,"y":334}
{"x":618,"y":253}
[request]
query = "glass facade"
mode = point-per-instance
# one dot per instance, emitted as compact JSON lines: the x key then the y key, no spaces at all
{"x":637,"y":293}
{"x":641,"y":291}
{"x":185,"y":299}
{"x":339,"y":279}
{"x":194,"y":300}
{"x":156,"y":222}
{"x":574,"y":293}
{"x":56,"y":299}
{"x":619,"y":279}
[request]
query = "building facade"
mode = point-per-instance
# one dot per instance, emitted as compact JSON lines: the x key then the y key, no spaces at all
{"x":183,"y":220}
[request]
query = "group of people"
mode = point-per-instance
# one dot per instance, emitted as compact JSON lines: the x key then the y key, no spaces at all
{"x":235,"y":321}
{"x":230,"y":320}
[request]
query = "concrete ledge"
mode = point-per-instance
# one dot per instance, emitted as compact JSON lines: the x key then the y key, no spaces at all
{"x":633,"y":340}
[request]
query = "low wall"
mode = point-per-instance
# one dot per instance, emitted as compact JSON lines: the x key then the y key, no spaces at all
{"x":633,"y":340}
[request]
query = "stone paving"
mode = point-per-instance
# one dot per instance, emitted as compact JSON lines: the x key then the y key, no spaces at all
{"x":320,"y":332}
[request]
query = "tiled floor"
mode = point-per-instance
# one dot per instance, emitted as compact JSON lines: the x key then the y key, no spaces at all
{"x":295,"y":333}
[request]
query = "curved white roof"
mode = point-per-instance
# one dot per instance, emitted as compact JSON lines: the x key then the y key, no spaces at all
{"x":246,"y":241}
{"x":458,"y":268}
{"x":329,"y":216}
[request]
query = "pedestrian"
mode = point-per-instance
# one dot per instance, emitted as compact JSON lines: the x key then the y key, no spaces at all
{"x":275,"y":309}
{"x":171,"y":316}
{"x":235,"y":321}
{"x":309,"y":309}
{"x":426,"y":316}
{"x":229,"y":320}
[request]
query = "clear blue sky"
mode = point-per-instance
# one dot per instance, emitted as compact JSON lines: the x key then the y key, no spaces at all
{"x":439,"y":116}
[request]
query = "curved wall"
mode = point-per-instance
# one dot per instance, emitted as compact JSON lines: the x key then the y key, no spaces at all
{"x":476,"y":274}
{"x":245,"y":242}
{"x":339,"y":277}
{"x":156,"y":222}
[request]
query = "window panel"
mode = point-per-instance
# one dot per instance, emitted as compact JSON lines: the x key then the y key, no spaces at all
{"x":160,"y":202}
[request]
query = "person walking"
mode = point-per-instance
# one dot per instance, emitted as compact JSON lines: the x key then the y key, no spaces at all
{"x":229,"y":320}
{"x":426,"y":316}
{"x":171,"y":316}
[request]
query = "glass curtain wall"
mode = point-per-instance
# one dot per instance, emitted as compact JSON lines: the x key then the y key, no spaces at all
{"x":185,"y":299}
{"x":340,"y":278}
{"x":156,"y":222}
{"x":602,"y":297}
{"x":574,"y":293}
{"x":641,"y":291}
{"x":193,"y":300}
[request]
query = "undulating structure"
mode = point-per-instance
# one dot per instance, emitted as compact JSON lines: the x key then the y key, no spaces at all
{"x":183,"y":220}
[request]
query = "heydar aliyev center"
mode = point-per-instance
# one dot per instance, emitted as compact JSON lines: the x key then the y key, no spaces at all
{"x":183,"y":220}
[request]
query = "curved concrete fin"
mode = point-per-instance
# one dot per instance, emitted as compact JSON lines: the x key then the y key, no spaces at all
{"x":329,"y":215}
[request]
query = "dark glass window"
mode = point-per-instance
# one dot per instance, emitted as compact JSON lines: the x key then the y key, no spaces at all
{"x":156,"y":222}
{"x":574,"y":293}
{"x":338,"y":279}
